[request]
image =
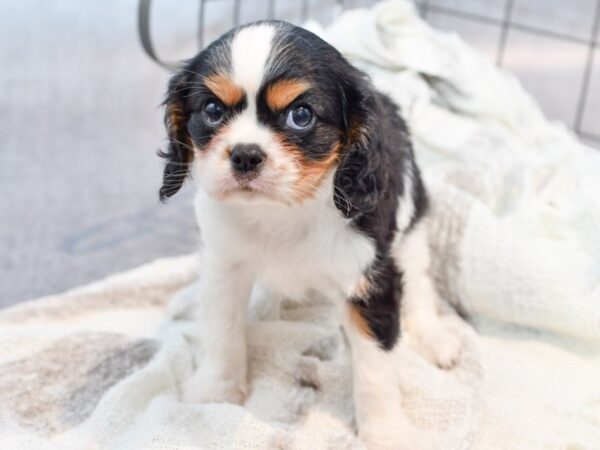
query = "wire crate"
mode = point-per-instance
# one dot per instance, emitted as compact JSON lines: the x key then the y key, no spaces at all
{"x":517,"y":34}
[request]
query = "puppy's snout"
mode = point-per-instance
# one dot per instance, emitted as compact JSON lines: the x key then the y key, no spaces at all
{"x":247,"y":158}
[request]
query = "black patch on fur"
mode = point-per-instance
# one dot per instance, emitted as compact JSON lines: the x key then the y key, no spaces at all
{"x":179,"y":152}
{"x":381,"y":309}
{"x":371,"y":173}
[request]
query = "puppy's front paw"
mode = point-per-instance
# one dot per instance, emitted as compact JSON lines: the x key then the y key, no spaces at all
{"x":441,"y":344}
{"x":202,"y":388}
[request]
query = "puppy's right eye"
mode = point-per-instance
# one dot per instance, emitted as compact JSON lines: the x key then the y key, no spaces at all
{"x":300,"y":118}
{"x":213,"y":113}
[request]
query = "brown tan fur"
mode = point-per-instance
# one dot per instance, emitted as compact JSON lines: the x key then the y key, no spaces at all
{"x":282,"y":93}
{"x":362,"y":291}
{"x":224,"y":88}
{"x":312,"y":172}
{"x":176,"y":120}
{"x":359,"y":321}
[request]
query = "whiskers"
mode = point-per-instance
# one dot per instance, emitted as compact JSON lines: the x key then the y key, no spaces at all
{"x":340,"y":195}
{"x":165,"y":153}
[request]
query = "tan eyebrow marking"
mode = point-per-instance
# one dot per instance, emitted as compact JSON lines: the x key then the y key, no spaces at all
{"x":224,"y":88}
{"x":281,"y":93}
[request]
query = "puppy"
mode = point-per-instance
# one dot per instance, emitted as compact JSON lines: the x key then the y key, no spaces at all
{"x":307,"y":181}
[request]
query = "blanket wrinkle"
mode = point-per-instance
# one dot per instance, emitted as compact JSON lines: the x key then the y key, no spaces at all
{"x":515,"y":235}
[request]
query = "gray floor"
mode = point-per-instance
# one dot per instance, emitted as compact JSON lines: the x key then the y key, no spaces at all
{"x":80,"y":124}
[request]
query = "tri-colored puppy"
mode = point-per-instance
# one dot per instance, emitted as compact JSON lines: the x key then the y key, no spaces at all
{"x":307,"y":182}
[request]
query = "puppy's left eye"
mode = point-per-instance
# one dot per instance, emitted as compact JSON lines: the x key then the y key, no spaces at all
{"x":213,"y":113}
{"x":300,"y":118}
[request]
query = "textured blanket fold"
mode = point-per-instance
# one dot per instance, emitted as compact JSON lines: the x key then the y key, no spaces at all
{"x":515,"y":233}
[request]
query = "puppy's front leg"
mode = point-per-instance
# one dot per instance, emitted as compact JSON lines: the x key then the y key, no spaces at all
{"x":435,"y":340}
{"x":220,"y":352}
{"x":372,"y":326}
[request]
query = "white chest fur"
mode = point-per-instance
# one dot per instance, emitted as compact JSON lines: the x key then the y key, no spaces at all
{"x":291,"y":250}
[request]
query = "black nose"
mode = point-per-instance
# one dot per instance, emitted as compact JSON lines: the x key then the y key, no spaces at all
{"x":246,"y":157}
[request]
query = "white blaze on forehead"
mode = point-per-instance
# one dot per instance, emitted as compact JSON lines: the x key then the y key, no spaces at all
{"x":245,"y":129}
{"x":250,"y":50}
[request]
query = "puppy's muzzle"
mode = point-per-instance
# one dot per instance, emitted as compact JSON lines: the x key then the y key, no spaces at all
{"x":247,"y":159}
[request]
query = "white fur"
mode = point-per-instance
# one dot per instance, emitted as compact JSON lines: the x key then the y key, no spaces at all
{"x":250,"y":51}
{"x":420,"y":316}
{"x":224,"y":289}
{"x":406,"y":204}
{"x":382,"y":424}
{"x":290,"y":250}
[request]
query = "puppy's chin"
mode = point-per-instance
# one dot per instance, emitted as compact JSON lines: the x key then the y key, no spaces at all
{"x":247,"y":192}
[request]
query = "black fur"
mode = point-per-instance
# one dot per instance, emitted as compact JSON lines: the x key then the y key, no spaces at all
{"x":179,"y":153}
{"x":381,"y":309}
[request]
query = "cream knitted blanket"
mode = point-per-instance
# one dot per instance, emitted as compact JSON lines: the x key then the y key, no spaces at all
{"x":516,"y":241}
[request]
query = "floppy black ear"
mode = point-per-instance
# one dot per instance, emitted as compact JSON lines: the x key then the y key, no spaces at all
{"x":360,"y":177}
{"x":179,"y":153}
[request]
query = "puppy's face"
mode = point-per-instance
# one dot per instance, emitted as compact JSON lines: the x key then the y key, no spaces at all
{"x":262,"y":114}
